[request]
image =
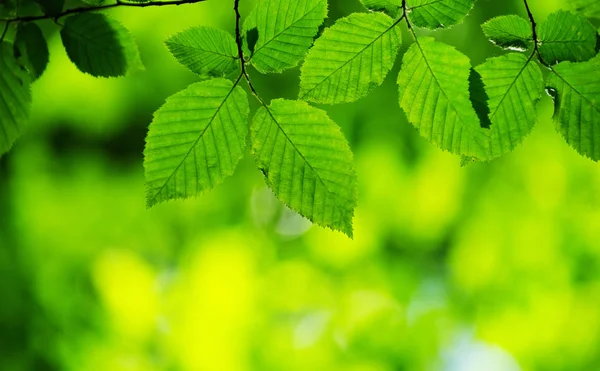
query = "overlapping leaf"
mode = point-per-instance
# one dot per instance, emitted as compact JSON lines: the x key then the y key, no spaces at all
{"x":566,"y":36}
{"x":514,"y":84}
{"x":205,"y":51}
{"x":286,"y":29}
{"x":15,"y":98}
{"x":434,"y":93}
{"x":350,"y":58}
{"x":392,"y":7}
{"x":434,"y":14}
{"x":99,"y":45}
{"x":509,"y":32}
{"x":195,"y":140}
{"x":307,"y":162}
{"x":576,"y":91}
{"x":32,"y":48}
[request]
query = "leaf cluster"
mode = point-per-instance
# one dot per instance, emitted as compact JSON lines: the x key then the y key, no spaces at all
{"x":198,"y":136}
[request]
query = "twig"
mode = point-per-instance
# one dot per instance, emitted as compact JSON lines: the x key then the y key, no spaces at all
{"x":99,"y":7}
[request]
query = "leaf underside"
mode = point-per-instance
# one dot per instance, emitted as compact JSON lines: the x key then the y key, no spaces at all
{"x":32,"y":48}
{"x":286,"y":29}
{"x":15,"y":98}
{"x":434,"y":94}
{"x":576,"y":91}
{"x":195,"y":140}
{"x":307,"y":162}
{"x":434,"y":14}
{"x":350,"y":58}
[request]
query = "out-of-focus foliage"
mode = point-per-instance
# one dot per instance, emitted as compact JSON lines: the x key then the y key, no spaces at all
{"x":486,"y":267}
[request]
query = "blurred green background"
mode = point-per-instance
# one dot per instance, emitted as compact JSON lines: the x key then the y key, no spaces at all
{"x":489,"y":267}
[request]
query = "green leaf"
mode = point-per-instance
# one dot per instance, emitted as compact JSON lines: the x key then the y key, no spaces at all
{"x":566,"y":36}
{"x":351,"y":57}
{"x":576,"y":91}
{"x":15,"y":98}
{"x":205,"y":51}
{"x":51,"y":7}
{"x":99,"y":45}
{"x":286,"y":30}
{"x":392,"y":7}
{"x":509,"y":32}
{"x":434,"y":14}
{"x":589,"y":8}
{"x":32,"y":48}
{"x":514,"y":85}
{"x":307,"y":162}
{"x":195,"y":140}
{"x":434,"y":92}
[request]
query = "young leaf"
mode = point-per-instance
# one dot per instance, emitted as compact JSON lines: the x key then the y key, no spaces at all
{"x":31,"y":47}
{"x":15,"y":98}
{"x":392,"y":7}
{"x":99,"y":45}
{"x":286,"y":29}
{"x":589,"y":8}
{"x":51,"y":7}
{"x":434,"y":14}
{"x":195,"y":140}
{"x":509,"y":32}
{"x":514,"y":85}
{"x":566,"y":36}
{"x":576,"y":91}
{"x":434,"y":92}
{"x":307,"y":162}
{"x":350,"y":58}
{"x":205,"y":51}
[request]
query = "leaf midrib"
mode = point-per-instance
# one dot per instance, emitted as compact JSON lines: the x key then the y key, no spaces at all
{"x":153,"y":200}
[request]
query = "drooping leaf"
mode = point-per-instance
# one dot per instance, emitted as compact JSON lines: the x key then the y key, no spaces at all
{"x":307,"y":162}
{"x":99,"y":45}
{"x":589,"y":8}
{"x":51,"y":7}
{"x":575,"y":88}
{"x":195,"y":140}
{"x":392,"y":7}
{"x":286,"y":29}
{"x":350,"y":58}
{"x":434,"y":93}
{"x":514,"y":85}
{"x":566,"y":36}
{"x":434,"y":14}
{"x":15,"y":98}
{"x":205,"y":51}
{"x":31,"y":48}
{"x":509,"y":32}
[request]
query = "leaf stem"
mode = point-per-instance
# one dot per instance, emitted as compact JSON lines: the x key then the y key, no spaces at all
{"x":535,"y":39}
{"x":98,"y":7}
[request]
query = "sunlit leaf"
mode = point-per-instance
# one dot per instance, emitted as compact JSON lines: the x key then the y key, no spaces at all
{"x":434,"y":14}
{"x":205,"y":51}
{"x":566,"y":36}
{"x":514,"y":84}
{"x":509,"y":32}
{"x":575,"y":88}
{"x":195,"y":140}
{"x":15,"y":98}
{"x":434,"y":94}
{"x":351,"y":57}
{"x":286,"y":29}
{"x":306,"y":162}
